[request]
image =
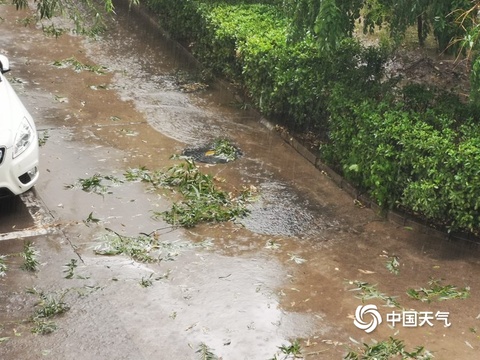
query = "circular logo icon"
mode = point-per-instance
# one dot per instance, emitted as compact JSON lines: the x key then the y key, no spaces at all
{"x":361,"y":312}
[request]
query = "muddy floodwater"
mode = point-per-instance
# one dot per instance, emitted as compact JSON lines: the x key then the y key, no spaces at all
{"x":241,"y":289}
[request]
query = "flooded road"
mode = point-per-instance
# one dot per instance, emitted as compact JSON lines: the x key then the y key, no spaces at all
{"x":243,"y":288}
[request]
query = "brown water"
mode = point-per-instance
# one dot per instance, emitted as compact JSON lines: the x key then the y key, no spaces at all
{"x":279,"y":274}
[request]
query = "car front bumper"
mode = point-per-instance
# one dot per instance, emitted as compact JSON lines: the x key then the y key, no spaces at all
{"x":19,"y":174}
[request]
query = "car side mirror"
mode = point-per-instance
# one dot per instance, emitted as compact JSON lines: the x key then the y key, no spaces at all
{"x":4,"y":64}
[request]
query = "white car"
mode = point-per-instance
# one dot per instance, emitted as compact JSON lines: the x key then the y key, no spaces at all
{"x":18,"y":140}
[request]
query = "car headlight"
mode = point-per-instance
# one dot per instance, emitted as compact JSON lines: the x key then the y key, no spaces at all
{"x":24,"y":137}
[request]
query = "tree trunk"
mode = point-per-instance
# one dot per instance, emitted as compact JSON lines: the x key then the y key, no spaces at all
{"x":421,"y":39}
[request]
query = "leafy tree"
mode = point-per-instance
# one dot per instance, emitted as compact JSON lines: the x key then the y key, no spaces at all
{"x":328,"y":20}
{"x":81,"y":12}
{"x":332,"y":20}
{"x":469,"y":43}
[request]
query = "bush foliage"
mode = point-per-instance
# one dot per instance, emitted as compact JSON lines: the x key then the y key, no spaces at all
{"x":417,"y":149}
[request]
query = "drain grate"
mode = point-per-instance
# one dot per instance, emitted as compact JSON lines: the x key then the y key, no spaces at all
{"x":219,"y":151}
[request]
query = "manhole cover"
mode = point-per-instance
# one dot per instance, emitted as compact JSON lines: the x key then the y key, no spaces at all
{"x":219,"y":151}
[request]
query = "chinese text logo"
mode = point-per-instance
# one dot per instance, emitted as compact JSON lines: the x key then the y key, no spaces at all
{"x":370,"y":311}
{"x":368,"y":318}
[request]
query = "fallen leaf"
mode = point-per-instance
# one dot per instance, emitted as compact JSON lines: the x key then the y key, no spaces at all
{"x":368,"y":272}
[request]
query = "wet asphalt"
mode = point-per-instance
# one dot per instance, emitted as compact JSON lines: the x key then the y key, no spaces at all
{"x":242,"y":288}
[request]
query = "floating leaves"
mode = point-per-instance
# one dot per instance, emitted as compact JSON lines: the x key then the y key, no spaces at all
{"x":78,"y":66}
{"x":143,"y":248}
{"x":203,"y":200}
{"x":220,"y":150}
{"x":98,"y":184}
{"x":369,"y":291}
{"x":439,"y":292}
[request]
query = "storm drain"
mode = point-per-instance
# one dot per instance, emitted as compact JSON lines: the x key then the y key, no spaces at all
{"x":219,"y":151}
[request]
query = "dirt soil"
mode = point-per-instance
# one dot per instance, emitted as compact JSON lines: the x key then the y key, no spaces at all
{"x":286,"y":272}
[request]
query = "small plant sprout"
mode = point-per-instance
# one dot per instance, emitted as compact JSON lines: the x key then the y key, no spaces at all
{"x":438,"y":292}
{"x":205,"y":353}
{"x":393,"y":265}
{"x":29,"y":255}
{"x":91,"y":219}
{"x":48,"y":306}
{"x":292,"y":351}
{"x":146,"y":281}
{"x":70,"y":267}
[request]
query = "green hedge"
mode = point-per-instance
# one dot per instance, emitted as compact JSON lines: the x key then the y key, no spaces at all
{"x":416,"y":149}
{"x":407,"y":159}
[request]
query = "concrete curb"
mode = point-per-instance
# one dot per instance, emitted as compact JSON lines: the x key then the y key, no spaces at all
{"x":393,"y":216}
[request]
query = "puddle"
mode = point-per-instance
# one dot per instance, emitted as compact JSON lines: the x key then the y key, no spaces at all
{"x":230,"y":304}
{"x":243,"y":306}
{"x":144,"y":67}
{"x":280,"y":211}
